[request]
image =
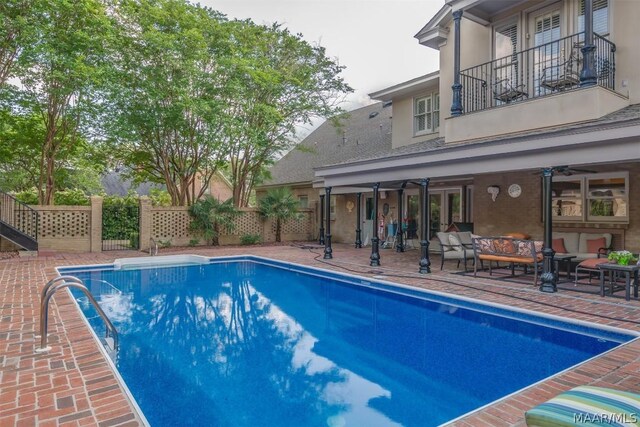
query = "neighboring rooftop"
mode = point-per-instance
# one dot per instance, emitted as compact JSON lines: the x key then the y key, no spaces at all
{"x":114,"y":183}
{"x":363,"y":132}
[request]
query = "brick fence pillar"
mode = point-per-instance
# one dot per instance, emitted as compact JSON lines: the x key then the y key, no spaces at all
{"x":96,"y":224}
{"x":145,"y":222}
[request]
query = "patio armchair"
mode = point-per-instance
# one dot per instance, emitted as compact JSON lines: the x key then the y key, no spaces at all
{"x":455,"y":246}
{"x":565,"y":72}
{"x":506,"y":91}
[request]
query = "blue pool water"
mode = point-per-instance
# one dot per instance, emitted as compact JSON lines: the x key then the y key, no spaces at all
{"x":252,"y":343}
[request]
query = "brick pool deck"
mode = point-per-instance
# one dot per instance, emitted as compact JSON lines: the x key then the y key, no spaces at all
{"x":73,"y":384}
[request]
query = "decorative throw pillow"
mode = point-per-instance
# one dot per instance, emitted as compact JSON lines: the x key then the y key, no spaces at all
{"x":455,"y":242}
{"x":594,"y":244}
{"x":558,"y":246}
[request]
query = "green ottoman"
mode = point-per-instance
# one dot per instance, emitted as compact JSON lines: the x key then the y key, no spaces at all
{"x":587,"y":406}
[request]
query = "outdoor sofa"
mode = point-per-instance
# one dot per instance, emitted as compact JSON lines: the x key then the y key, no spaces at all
{"x":508,"y":250}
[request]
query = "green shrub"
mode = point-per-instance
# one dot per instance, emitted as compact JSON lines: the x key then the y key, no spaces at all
{"x":71,"y":197}
{"x":159,"y":197}
{"x":250,"y":239}
{"x":209,"y":217}
{"x":134,"y":240}
{"x":119,"y":217}
{"x":194,"y":242}
{"x":164,"y":243}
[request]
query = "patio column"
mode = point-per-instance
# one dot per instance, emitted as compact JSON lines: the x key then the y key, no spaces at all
{"x":327,"y":238}
{"x":456,"y":103}
{"x":425,"y":263}
{"x":321,"y":233}
{"x":588,"y":75}
{"x":399,"y":242}
{"x":548,"y":278}
{"x":375,"y":255}
{"x":358,"y":221}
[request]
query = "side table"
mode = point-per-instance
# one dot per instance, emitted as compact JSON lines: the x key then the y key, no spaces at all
{"x":627,"y":270}
{"x":566,"y":260}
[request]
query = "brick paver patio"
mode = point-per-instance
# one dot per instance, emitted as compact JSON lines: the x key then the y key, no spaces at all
{"x":73,"y":384}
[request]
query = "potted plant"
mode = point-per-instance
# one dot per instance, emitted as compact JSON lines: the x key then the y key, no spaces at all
{"x":622,"y":257}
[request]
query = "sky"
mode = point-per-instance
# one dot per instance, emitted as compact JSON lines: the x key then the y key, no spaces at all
{"x":372,"y":38}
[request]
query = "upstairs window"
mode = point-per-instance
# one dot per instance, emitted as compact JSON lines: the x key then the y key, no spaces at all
{"x":426,"y":114}
{"x":303,"y":201}
{"x":600,"y":17}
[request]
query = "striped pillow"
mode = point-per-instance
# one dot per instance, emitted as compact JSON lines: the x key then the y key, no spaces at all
{"x":587,"y":405}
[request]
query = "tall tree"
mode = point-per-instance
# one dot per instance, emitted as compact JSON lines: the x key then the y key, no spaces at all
{"x":167,"y":105}
{"x":59,"y":73}
{"x":17,"y":27}
{"x":281,"y":81}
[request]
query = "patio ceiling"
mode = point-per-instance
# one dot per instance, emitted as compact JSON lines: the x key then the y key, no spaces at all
{"x":604,"y":145}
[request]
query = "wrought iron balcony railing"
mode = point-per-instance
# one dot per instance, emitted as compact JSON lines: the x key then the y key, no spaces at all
{"x":539,"y":71}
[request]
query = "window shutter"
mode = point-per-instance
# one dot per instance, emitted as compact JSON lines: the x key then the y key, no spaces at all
{"x":600,"y":17}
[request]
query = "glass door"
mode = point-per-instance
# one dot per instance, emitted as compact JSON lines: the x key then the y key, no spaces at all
{"x":548,"y":54}
{"x":367,"y":220}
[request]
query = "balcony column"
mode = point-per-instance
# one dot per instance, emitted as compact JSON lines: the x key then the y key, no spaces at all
{"x":327,"y":238}
{"x":425,"y":218}
{"x":321,"y":233}
{"x":588,"y":75}
{"x":548,"y":278}
{"x":399,"y":242}
{"x":375,"y":254}
{"x":358,"y":221}
{"x":456,"y":103}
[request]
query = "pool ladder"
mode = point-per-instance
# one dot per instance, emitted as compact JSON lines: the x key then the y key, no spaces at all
{"x":50,"y":289}
{"x":153,"y":247}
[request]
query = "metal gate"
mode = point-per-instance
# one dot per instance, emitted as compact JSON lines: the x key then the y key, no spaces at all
{"x":120,"y":227}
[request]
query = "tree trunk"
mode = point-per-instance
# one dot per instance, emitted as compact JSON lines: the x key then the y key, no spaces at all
{"x":278,"y":230}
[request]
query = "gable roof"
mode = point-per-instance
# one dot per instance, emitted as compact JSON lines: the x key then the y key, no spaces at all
{"x":363,"y":132}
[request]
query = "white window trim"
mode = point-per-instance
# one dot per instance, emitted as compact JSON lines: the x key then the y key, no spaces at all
{"x":584,"y":198}
{"x":427,"y":131}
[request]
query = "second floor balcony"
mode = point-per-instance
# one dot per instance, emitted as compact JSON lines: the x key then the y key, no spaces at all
{"x":540,"y":71}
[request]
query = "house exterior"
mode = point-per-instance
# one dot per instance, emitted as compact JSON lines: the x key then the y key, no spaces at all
{"x":513,"y":101}
{"x":357,"y":134}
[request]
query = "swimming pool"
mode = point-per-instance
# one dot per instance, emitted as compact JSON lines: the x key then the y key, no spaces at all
{"x":250,"y":341}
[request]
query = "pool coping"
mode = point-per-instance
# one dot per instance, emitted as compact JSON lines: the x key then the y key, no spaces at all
{"x":182,"y":260}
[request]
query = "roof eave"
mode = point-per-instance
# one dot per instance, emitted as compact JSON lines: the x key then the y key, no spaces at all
{"x":404,"y":88}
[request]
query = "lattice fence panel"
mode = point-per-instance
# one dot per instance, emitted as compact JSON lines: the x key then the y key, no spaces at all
{"x":64,"y":224}
{"x":249,"y":222}
{"x":170,"y":224}
{"x":296,"y":226}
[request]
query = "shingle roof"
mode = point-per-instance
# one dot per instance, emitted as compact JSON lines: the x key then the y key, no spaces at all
{"x":363,"y":133}
{"x":617,"y":118}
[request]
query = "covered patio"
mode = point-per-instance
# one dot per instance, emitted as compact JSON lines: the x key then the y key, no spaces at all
{"x":515,"y":183}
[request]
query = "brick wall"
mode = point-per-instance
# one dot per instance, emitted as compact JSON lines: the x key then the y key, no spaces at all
{"x":524,"y":214}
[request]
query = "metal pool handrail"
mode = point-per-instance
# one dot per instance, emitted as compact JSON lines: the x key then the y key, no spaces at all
{"x":68,"y":282}
{"x":153,"y":247}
